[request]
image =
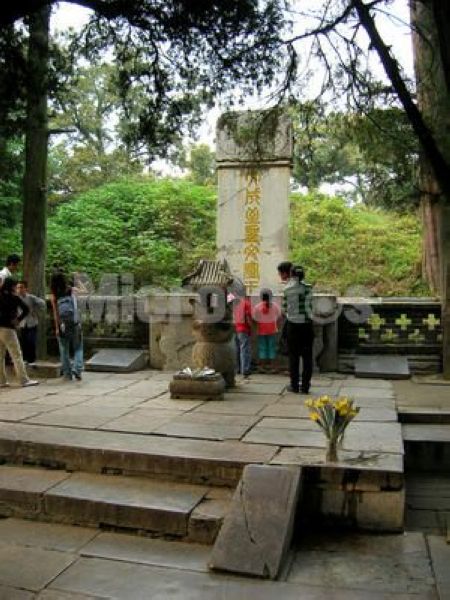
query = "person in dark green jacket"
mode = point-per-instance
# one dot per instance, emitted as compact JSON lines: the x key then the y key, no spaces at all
{"x":297,"y":307}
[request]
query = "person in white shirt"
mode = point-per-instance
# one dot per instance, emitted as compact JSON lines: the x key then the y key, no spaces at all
{"x":11,"y":267}
{"x":29,"y":325}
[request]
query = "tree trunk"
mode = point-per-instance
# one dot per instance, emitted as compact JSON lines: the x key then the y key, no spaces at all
{"x":426,"y":99}
{"x":430,"y":120}
{"x":35,"y":176}
{"x":431,"y":54}
{"x":445,"y":284}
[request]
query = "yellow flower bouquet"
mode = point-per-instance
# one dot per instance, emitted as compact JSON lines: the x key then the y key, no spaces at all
{"x":333,"y":416}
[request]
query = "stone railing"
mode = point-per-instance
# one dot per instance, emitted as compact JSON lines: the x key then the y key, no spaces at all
{"x":406,"y":326}
{"x":162,"y":323}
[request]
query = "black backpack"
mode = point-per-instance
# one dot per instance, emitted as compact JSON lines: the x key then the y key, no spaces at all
{"x":67,"y":313}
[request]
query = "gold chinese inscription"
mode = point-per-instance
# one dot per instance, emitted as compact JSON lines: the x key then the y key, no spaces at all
{"x":252,"y":230}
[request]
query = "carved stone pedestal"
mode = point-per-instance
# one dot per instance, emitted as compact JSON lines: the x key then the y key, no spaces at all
{"x":211,"y":388}
{"x":213,"y":348}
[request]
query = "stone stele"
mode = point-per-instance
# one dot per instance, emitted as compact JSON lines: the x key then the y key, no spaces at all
{"x":254,"y":154}
{"x":257,"y":531}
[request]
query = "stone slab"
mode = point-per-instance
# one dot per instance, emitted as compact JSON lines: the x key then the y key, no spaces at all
{"x":362,"y":461}
{"x":201,"y":431}
{"x":257,"y":531}
{"x":44,"y":369}
{"x":31,"y":568}
{"x":208,"y":426}
{"x":49,"y":536}
{"x":424,"y":415}
{"x":304,"y":424}
{"x":132,"y":502}
{"x":361,"y":393}
{"x":374,"y":437}
{"x":350,"y":480}
{"x":20,"y":412}
{"x":285,"y":437}
{"x":289,"y":411}
{"x":207,"y":517}
{"x":84,"y":417}
{"x":121,"y":580}
{"x":9,"y":593}
{"x":350,"y":569}
{"x":382,"y":367}
{"x":145,"y":389}
{"x":117,"y":360}
{"x":60,"y":595}
{"x":366,"y":382}
{"x":164,"y":402}
{"x":162,"y":553}
{"x":381,"y":414}
{"x":426,"y":521}
{"x":21,"y":488}
{"x":351,"y":542}
{"x":143,"y":420}
{"x":265,"y":389}
{"x":440,"y":558}
{"x":100,"y":451}
{"x":233,"y":407}
{"x":426,"y":432}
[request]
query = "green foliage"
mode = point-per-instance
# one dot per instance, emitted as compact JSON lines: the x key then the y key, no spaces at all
{"x":11,"y":164}
{"x":199,"y":160}
{"x":342,"y":247}
{"x":375,"y":153}
{"x":157,"y":230}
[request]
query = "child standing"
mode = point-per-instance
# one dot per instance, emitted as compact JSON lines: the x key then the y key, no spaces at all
{"x":267,"y":315}
{"x":29,"y":325}
{"x":242,"y":316}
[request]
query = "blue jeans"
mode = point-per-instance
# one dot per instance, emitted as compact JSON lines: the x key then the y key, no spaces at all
{"x":243,"y":353}
{"x":67,"y":343}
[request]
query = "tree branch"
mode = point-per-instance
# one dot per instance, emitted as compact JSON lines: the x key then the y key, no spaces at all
{"x":440,"y":166}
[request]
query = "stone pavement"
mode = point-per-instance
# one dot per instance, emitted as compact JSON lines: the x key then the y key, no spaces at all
{"x":257,"y":411}
{"x":58,"y":562}
{"x":127,"y":426}
{"x":132,"y":415}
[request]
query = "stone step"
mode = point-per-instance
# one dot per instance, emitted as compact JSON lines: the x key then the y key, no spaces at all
{"x":426,"y":432}
{"x":132,"y":504}
{"x":179,"y":459}
{"x":423,"y":415}
{"x":427,"y":446}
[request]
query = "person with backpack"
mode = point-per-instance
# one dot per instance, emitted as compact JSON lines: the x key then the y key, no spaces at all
{"x":297,"y":306}
{"x":12,"y":312}
{"x":67,"y":326}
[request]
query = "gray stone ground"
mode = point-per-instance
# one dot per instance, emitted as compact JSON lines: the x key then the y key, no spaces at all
{"x":59,"y":562}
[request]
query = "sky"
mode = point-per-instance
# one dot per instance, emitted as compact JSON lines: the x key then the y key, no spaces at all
{"x":394,"y":30}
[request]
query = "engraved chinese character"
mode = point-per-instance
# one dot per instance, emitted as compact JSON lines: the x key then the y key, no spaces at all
{"x":251,"y":233}
{"x":251,"y":271}
{"x":253,"y":197}
{"x":251,"y":251}
{"x":252,"y":215}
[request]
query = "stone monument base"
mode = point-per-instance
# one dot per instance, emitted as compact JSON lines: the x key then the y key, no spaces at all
{"x":44,"y":369}
{"x":211,"y":388}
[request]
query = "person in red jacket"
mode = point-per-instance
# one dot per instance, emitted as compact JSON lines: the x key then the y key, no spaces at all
{"x":242,"y":316}
{"x":267,"y":315}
